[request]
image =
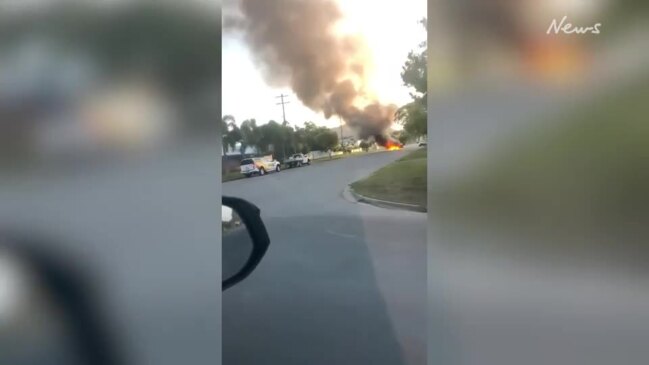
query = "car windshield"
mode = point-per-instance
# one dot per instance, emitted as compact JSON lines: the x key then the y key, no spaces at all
{"x":246,"y":162}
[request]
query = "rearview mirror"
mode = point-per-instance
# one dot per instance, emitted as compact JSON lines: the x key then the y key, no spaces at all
{"x":244,"y":240}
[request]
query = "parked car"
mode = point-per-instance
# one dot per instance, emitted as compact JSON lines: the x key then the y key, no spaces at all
{"x":259,"y":165}
{"x":423,"y":144}
{"x":297,"y":160}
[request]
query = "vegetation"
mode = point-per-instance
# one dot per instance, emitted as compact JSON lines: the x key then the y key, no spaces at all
{"x":279,"y":139}
{"x":175,"y":47}
{"x":403,"y":181}
{"x":413,"y":116}
{"x":231,"y":176}
{"x":588,"y":173}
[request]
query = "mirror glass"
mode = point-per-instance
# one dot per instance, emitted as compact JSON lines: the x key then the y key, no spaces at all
{"x":237,"y":244}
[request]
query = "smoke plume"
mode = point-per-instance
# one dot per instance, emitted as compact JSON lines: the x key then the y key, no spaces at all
{"x":295,"y":44}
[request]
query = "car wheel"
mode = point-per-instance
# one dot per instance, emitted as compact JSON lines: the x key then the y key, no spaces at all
{"x":299,"y":164}
{"x":277,"y":168}
{"x":247,"y":175}
{"x":262,"y":172}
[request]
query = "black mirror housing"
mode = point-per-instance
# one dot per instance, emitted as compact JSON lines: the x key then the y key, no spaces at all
{"x":250,"y":215}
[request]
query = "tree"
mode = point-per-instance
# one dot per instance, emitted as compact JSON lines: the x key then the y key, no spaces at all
{"x":272,"y":135}
{"x":404,"y":137}
{"x":299,"y":138}
{"x":318,"y":138}
{"x":281,"y":139}
{"x":234,"y":135}
{"x":414,"y":116}
{"x":250,"y":134}
{"x":326,"y":139}
{"x":288,"y":134}
{"x":224,"y":126}
{"x":414,"y":72}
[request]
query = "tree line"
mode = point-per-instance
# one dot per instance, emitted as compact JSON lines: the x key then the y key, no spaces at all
{"x":279,"y":139}
{"x":414,"y":73}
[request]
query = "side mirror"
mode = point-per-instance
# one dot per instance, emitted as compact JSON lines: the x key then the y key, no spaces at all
{"x":49,"y":310}
{"x":244,"y":239}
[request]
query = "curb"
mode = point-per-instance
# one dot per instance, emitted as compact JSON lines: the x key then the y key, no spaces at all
{"x":384,"y":203}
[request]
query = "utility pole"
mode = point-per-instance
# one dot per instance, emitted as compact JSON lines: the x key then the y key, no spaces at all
{"x":341,"y":134}
{"x":282,"y":102}
{"x":282,"y":96}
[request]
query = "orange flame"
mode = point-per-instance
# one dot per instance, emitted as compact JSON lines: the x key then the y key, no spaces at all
{"x":392,"y":146}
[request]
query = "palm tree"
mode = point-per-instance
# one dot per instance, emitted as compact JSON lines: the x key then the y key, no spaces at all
{"x":233,"y":136}
{"x":224,"y":129}
{"x":250,"y":134}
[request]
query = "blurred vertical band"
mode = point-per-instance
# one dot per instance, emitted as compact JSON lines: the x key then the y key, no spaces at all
{"x":109,"y":142}
{"x":538,"y":182}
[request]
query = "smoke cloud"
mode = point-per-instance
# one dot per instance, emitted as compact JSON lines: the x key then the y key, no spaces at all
{"x":295,"y":44}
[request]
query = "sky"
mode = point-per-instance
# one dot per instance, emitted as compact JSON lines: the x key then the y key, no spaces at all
{"x":391,"y":29}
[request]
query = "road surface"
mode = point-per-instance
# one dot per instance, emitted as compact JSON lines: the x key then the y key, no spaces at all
{"x":342,"y":282}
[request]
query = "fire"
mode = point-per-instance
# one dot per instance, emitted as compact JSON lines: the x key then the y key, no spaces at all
{"x":388,"y":143}
{"x":392,"y":146}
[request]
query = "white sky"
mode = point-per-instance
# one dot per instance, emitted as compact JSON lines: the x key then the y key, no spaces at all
{"x":390,"y":29}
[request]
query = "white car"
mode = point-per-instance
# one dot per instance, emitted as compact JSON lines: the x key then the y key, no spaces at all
{"x":259,"y":165}
{"x":297,"y":160}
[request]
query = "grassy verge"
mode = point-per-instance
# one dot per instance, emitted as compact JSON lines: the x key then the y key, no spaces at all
{"x":403,"y":181}
{"x":339,"y":157}
{"x":231,"y":176}
{"x":587,"y":173}
{"x":333,"y":158}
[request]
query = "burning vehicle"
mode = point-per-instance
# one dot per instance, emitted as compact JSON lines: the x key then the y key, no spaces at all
{"x":388,"y":143}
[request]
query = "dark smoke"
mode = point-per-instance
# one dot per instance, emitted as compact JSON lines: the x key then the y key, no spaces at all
{"x":294,"y":43}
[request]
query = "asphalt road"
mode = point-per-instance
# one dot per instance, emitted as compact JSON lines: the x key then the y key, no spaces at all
{"x":342,"y":282}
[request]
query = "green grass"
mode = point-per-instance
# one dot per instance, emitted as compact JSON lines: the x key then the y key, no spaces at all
{"x":587,"y":172}
{"x":403,"y":181}
{"x":231,"y":176}
{"x":420,"y":153}
{"x":333,"y":158}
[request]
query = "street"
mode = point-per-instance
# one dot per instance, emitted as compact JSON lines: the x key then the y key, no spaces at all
{"x":342,"y":282}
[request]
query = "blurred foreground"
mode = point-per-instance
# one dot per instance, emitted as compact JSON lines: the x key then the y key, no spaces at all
{"x":109,"y":163}
{"x":538,"y":184}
